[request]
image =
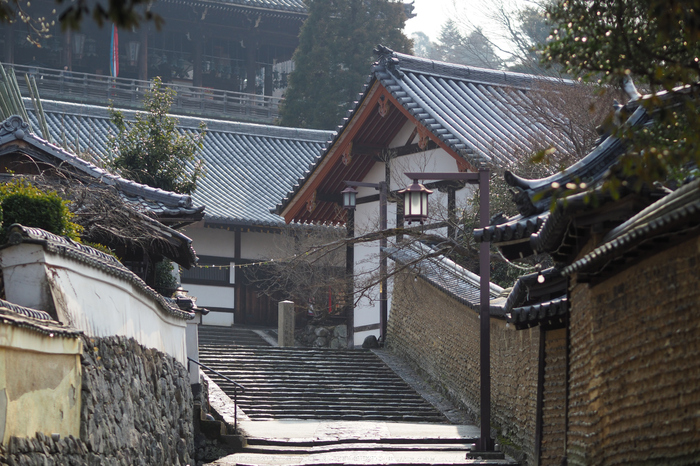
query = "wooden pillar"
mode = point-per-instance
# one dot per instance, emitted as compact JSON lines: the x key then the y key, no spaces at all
{"x":68,"y":49}
{"x":251,"y":65}
{"x":268,"y":81}
{"x":238,"y":306}
{"x":143,"y":54}
{"x":451,"y":212}
{"x":197,"y":53}
{"x":350,"y":277}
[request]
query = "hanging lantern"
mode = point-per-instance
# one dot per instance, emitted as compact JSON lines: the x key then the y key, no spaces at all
{"x":133,"y":50}
{"x":349,"y":198}
{"x":415,"y":202}
{"x":78,"y":45}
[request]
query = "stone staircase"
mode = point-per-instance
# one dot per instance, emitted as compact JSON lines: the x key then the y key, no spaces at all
{"x":295,"y":383}
{"x":210,"y":335}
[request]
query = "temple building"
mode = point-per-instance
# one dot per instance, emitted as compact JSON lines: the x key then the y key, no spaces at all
{"x":233,"y":45}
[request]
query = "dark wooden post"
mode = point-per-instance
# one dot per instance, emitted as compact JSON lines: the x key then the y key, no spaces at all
{"x":251,"y":65}
{"x":143,"y":54}
{"x":350,"y":275}
{"x":198,"y":39}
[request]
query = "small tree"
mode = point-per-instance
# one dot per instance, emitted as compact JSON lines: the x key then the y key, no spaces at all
{"x":152,"y":151}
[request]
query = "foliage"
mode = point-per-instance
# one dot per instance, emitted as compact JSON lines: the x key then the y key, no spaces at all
{"x":102,"y":248}
{"x":657,"y":42}
{"x":334,"y":57}
{"x":151,"y":150}
{"x":27,"y":205}
{"x":165,"y":280}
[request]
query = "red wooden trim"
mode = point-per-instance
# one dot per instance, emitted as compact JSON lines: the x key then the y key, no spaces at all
{"x":298,"y":203}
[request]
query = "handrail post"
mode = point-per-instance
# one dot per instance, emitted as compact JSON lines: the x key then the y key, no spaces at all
{"x":236,"y":386}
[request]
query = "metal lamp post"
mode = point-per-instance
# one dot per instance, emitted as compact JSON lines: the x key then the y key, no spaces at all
{"x":350,"y":202}
{"x":417,"y":195}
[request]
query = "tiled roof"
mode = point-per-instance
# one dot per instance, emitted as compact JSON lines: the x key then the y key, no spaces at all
{"x":536,"y":228}
{"x":248,"y":166}
{"x":534,"y":299}
{"x":675,"y":215}
{"x":549,"y":312}
{"x":157,"y":201}
{"x":286,"y":6}
{"x":172,"y":244}
{"x":34,"y":320}
{"x":442,"y":273}
{"x":481,"y":114}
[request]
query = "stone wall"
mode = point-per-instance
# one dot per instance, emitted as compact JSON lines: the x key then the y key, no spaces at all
{"x":136,"y":410}
{"x":553,"y":446}
{"x":440,"y":337}
{"x":323,"y":336}
{"x":635,"y":365}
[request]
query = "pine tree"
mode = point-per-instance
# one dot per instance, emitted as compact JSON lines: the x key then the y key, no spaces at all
{"x":471,"y":50}
{"x":334,"y":57}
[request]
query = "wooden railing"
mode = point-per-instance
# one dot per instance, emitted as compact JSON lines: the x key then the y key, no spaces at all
{"x":128,"y":93}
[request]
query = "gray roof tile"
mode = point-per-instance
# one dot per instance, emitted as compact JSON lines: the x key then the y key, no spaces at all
{"x":442,"y":273}
{"x":289,"y":6}
{"x":480,"y":114}
{"x":248,"y":166}
{"x":677,"y":213}
{"x":466,"y":107}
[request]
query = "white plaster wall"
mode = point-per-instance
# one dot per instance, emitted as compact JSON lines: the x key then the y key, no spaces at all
{"x":213,"y":296}
{"x":218,"y":319}
{"x":212,"y":241}
{"x":89,"y":299}
{"x":192,"y":336}
{"x":257,"y":246}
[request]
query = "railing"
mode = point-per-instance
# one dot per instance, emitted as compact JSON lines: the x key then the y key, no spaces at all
{"x":128,"y":93}
{"x":236,"y":386}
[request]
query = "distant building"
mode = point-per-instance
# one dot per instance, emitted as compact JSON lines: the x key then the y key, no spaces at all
{"x":233,"y":45}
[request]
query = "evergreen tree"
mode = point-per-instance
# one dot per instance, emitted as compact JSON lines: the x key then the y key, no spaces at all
{"x":152,"y":151}
{"x":422,"y":46}
{"x":471,"y":50}
{"x":334,"y":57}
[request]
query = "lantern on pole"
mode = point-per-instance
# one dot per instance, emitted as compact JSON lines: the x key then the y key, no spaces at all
{"x":349,"y":198}
{"x":415,"y":202}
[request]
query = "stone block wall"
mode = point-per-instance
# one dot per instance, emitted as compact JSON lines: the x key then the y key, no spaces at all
{"x":136,"y":410}
{"x":635,"y":364}
{"x":439,"y":336}
{"x":553,"y":446}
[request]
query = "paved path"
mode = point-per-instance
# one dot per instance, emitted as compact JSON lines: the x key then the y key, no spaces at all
{"x":292,"y":442}
{"x":288,"y":443}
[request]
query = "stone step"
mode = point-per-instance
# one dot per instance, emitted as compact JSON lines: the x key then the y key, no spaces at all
{"x":359,"y":442}
{"x":228,"y":336}
{"x":356,"y":446}
{"x":294,"y":383}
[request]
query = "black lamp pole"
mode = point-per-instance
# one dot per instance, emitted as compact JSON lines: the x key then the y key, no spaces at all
{"x":485,"y":445}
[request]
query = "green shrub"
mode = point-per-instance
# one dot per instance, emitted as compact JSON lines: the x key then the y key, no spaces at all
{"x":22,"y":203}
